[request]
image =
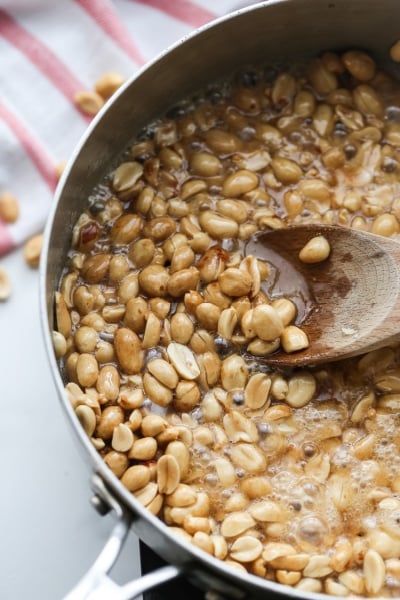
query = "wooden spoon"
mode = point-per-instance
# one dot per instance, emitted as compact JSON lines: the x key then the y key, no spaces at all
{"x":347,"y":304}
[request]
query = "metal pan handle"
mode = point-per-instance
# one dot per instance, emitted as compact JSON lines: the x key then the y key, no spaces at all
{"x":96,"y":584}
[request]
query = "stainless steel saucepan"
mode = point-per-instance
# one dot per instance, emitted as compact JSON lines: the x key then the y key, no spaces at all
{"x":279,"y":31}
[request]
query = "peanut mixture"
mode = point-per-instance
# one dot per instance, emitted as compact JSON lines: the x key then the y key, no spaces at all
{"x":161,"y":318}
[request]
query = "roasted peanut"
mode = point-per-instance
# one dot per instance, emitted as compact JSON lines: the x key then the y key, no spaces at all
{"x":153,"y":280}
{"x":316,"y":250}
{"x":9,"y":208}
{"x":128,"y":350}
{"x":218,"y":226}
{"x":266,"y":322}
{"x":32,"y":250}
{"x":294,"y":339}
{"x":234,"y":282}
{"x":359,"y":64}
{"x":88,"y":101}
{"x":182,"y":328}
{"x":156,"y":391}
{"x":107,"y":84}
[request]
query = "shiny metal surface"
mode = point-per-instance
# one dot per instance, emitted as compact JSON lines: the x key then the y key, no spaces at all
{"x":96,"y":584}
{"x":268,"y":33}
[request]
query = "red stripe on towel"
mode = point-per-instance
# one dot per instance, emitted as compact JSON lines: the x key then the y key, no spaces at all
{"x":42,"y":58}
{"x":106,"y":18}
{"x":33,"y":148}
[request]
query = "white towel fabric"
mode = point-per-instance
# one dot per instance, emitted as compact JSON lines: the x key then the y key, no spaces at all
{"x":51,"y":50}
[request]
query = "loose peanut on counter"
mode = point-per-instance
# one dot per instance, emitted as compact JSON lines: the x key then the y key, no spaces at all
{"x":32,"y":250}
{"x":161,"y":318}
{"x":9,"y":208}
{"x":107,"y":84}
{"x":88,"y":101}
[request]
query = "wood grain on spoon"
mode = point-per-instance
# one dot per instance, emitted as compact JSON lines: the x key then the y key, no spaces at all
{"x":347,"y":304}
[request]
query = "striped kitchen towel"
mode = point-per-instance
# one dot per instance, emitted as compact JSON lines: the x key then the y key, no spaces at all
{"x":50,"y":51}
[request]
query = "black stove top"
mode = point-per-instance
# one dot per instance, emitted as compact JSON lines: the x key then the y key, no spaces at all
{"x":175,"y":589}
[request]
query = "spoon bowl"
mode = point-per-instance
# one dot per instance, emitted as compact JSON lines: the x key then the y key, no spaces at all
{"x":347,"y":304}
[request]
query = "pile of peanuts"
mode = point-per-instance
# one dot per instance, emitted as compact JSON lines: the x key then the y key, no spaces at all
{"x":162,"y":317}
